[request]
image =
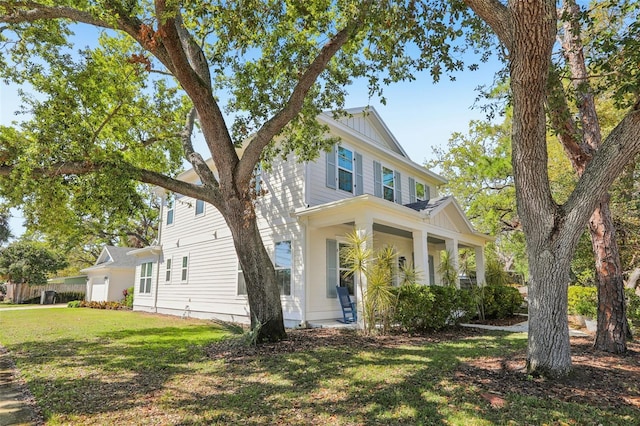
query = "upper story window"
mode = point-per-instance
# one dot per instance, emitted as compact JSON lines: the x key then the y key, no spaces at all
{"x":199,"y":207}
{"x":170,"y":210}
{"x":418,"y":191}
{"x":388,"y":192}
{"x":282,"y":265}
{"x":257,"y":179}
{"x":387,"y":183}
{"x":344,"y":170}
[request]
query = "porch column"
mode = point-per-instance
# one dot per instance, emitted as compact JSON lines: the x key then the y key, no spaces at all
{"x":421,"y":256}
{"x":364,"y":228}
{"x":451,"y":246}
{"x":480,"y":271}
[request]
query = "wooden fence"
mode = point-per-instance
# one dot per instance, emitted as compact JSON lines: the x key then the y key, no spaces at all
{"x":19,"y":293}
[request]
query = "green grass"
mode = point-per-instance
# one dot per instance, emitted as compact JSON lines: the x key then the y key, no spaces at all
{"x":120,"y":367}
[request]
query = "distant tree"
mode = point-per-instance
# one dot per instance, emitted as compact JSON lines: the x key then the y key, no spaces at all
{"x":5,"y":230}
{"x":29,"y":262}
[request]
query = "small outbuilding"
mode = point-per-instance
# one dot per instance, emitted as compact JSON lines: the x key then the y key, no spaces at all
{"x":112,"y":273}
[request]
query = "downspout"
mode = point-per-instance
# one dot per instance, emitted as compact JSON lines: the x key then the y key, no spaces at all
{"x":305,"y":247}
{"x":161,"y":217}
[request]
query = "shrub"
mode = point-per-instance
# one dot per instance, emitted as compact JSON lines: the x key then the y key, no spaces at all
{"x":128,"y":298}
{"x":101,"y":305}
{"x":69,"y":296}
{"x":633,"y":306}
{"x":430,"y":308}
{"x":498,"y":301}
{"x":583,"y":301}
{"x":74,"y":304}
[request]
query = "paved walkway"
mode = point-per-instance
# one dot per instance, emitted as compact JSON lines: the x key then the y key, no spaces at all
{"x":15,"y":407}
{"x":523,"y":327}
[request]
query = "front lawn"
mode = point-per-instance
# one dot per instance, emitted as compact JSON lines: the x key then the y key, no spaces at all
{"x":119,"y":367}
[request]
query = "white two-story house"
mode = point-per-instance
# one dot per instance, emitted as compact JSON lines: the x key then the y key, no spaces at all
{"x":367,"y":182}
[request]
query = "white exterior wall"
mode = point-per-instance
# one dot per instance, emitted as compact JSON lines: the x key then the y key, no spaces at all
{"x":119,"y":280}
{"x":144,"y":301}
{"x":211,"y":286}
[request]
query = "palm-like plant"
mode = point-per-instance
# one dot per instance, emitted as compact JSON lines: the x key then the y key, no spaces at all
{"x":447,"y":269}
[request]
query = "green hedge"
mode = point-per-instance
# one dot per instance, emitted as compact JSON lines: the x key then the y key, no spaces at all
{"x":499,"y":301}
{"x":429,"y":308}
{"x":583,"y":301}
{"x":633,"y":306}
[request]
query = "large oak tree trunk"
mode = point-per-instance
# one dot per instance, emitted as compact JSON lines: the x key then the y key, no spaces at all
{"x":263,"y":292}
{"x":612,"y":318}
{"x":548,"y":352}
{"x":548,"y":248}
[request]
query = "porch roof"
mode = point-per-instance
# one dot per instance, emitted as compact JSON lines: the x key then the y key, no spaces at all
{"x":411,"y":216}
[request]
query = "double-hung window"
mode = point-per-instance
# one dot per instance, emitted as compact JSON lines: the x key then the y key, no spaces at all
{"x":421,"y":192}
{"x":388,"y":187}
{"x":242,"y":284}
{"x":282,"y":265}
{"x":345,"y":276}
{"x":257,"y":179}
{"x":199,"y":207}
{"x":185,"y":269}
{"x":146,"y":271}
{"x":345,"y":169}
{"x":167,"y":276}
{"x":418,"y":191}
{"x":170,"y":210}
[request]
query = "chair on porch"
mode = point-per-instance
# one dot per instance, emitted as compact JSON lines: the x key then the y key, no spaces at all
{"x":349,"y":312}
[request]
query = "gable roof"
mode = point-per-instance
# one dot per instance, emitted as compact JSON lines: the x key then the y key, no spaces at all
{"x":377,"y":137}
{"x":377,"y":131}
{"x":113,"y":257}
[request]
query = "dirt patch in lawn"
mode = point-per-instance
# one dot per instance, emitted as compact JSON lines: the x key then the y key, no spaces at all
{"x":502,"y":322}
{"x":599,"y":379}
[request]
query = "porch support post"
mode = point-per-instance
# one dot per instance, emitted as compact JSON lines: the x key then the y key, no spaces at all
{"x":364,"y":228}
{"x":480,"y":269}
{"x":421,"y":256}
{"x":451,"y":246}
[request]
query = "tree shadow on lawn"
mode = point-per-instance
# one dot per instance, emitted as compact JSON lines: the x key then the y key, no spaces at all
{"x":341,"y":385}
{"x":110,"y":372}
{"x":359,"y":384}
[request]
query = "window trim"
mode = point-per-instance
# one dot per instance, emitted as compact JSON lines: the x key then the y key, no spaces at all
{"x":184,"y":270}
{"x":352,"y":172}
{"x":146,"y":275}
{"x":204,"y":208}
{"x":424,"y":189}
{"x":290,"y":268}
{"x":168,"y":272}
{"x":171,"y":211}
{"x":238,"y":275}
{"x":340,"y":268}
{"x":393,"y":184}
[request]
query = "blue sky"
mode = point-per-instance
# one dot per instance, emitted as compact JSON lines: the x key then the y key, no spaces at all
{"x":422,"y":115}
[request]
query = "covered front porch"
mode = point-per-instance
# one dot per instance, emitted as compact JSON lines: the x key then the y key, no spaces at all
{"x":420,"y":232}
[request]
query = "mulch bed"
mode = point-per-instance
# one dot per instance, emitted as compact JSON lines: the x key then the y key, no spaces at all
{"x":598,"y":378}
